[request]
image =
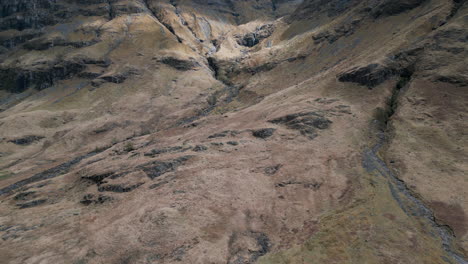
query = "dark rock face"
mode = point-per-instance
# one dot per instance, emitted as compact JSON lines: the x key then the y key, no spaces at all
{"x":457,"y":80}
{"x":50,"y":173}
{"x":180,"y":64}
{"x":117,"y":77}
{"x":12,"y":41}
{"x":200,"y":148}
{"x":18,"y":80}
{"x":375,"y":8}
{"x":176,"y":149}
{"x":226,"y":133}
{"x":31,"y":204}
{"x":337,"y":33}
{"x":24,"y":196}
{"x":22,"y":14}
{"x":157,"y":168}
{"x":232,"y":143}
{"x":263,"y":133}
{"x":25,"y":14}
{"x":313,"y":7}
{"x":253,"y":38}
{"x":26,"y":140}
{"x":118,"y":188}
{"x":98,"y":179}
{"x":43,"y":44}
{"x":307,"y":123}
{"x":30,"y":22}
{"x":394,"y":7}
{"x":91,"y":199}
{"x":248,"y":40}
{"x":370,"y":75}
{"x":157,"y":185}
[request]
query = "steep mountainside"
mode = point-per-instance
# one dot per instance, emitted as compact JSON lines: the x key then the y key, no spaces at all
{"x":223,"y":131}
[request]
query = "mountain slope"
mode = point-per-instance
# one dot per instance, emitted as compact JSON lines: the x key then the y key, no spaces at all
{"x":233,"y":131}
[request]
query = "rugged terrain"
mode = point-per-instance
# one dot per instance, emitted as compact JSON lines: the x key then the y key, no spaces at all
{"x":222,"y":131}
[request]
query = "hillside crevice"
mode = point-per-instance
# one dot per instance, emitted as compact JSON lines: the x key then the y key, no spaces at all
{"x":406,"y":198}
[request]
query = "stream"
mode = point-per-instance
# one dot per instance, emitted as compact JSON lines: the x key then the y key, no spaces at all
{"x":408,"y":202}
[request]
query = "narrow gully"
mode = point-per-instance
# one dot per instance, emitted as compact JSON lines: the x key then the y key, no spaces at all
{"x":182,"y":20}
{"x":405,"y":198}
{"x":167,"y":26}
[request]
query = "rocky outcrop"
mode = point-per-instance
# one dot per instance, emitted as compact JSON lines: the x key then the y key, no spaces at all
{"x":24,"y":196}
{"x":241,"y":252}
{"x":370,"y":75}
{"x":17,"y":80}
{"x":178,"y":63}
{"x":332,"y":8}
{"x":10,"y":41}
{"x":263,"y":133}
{"x":392,"y":7}
{"x":253,"y":38}
{"x":98,"y":179}
{"x":32,"y":204}
{"x":200,"y":148}
{"x":307,"y":123}
{"x":340,"y":31}
{"x":116,"y":76}
{"x":46,"y":43}
{"x":27,"y":140}
{"x":48,"y":174}
{"x":159,"y":151}
{"x":225,"y":133}
{"x":157,"y":168}
{"x":89,"y":199}
{"x":118,"y":188}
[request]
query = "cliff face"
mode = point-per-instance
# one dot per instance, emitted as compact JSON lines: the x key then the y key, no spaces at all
{"x":218,"y":131}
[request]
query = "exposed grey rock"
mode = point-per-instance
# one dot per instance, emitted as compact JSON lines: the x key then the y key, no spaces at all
{"x":91,"y":199}
{"x":157,"y":168}
{"x":50,"y":173}
{"x":394,"y":7}
{"x":24,"y":196}
{"x":370,"y":75}
{"x":177,"y":149}
{"x":272,"y":170}
{"x":307,"y":123}
{"x":253,"y":38}
{"x":31,"y":204}
{"x":27,"y":140}
{"x":263,"y":133}
{"x":199,"y":148}
{"x":179,"y":64}
{"x":98,"y":179}
{"x":118,"y":188}
{"x":226,"y":133}
{"x":17,"y":80}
